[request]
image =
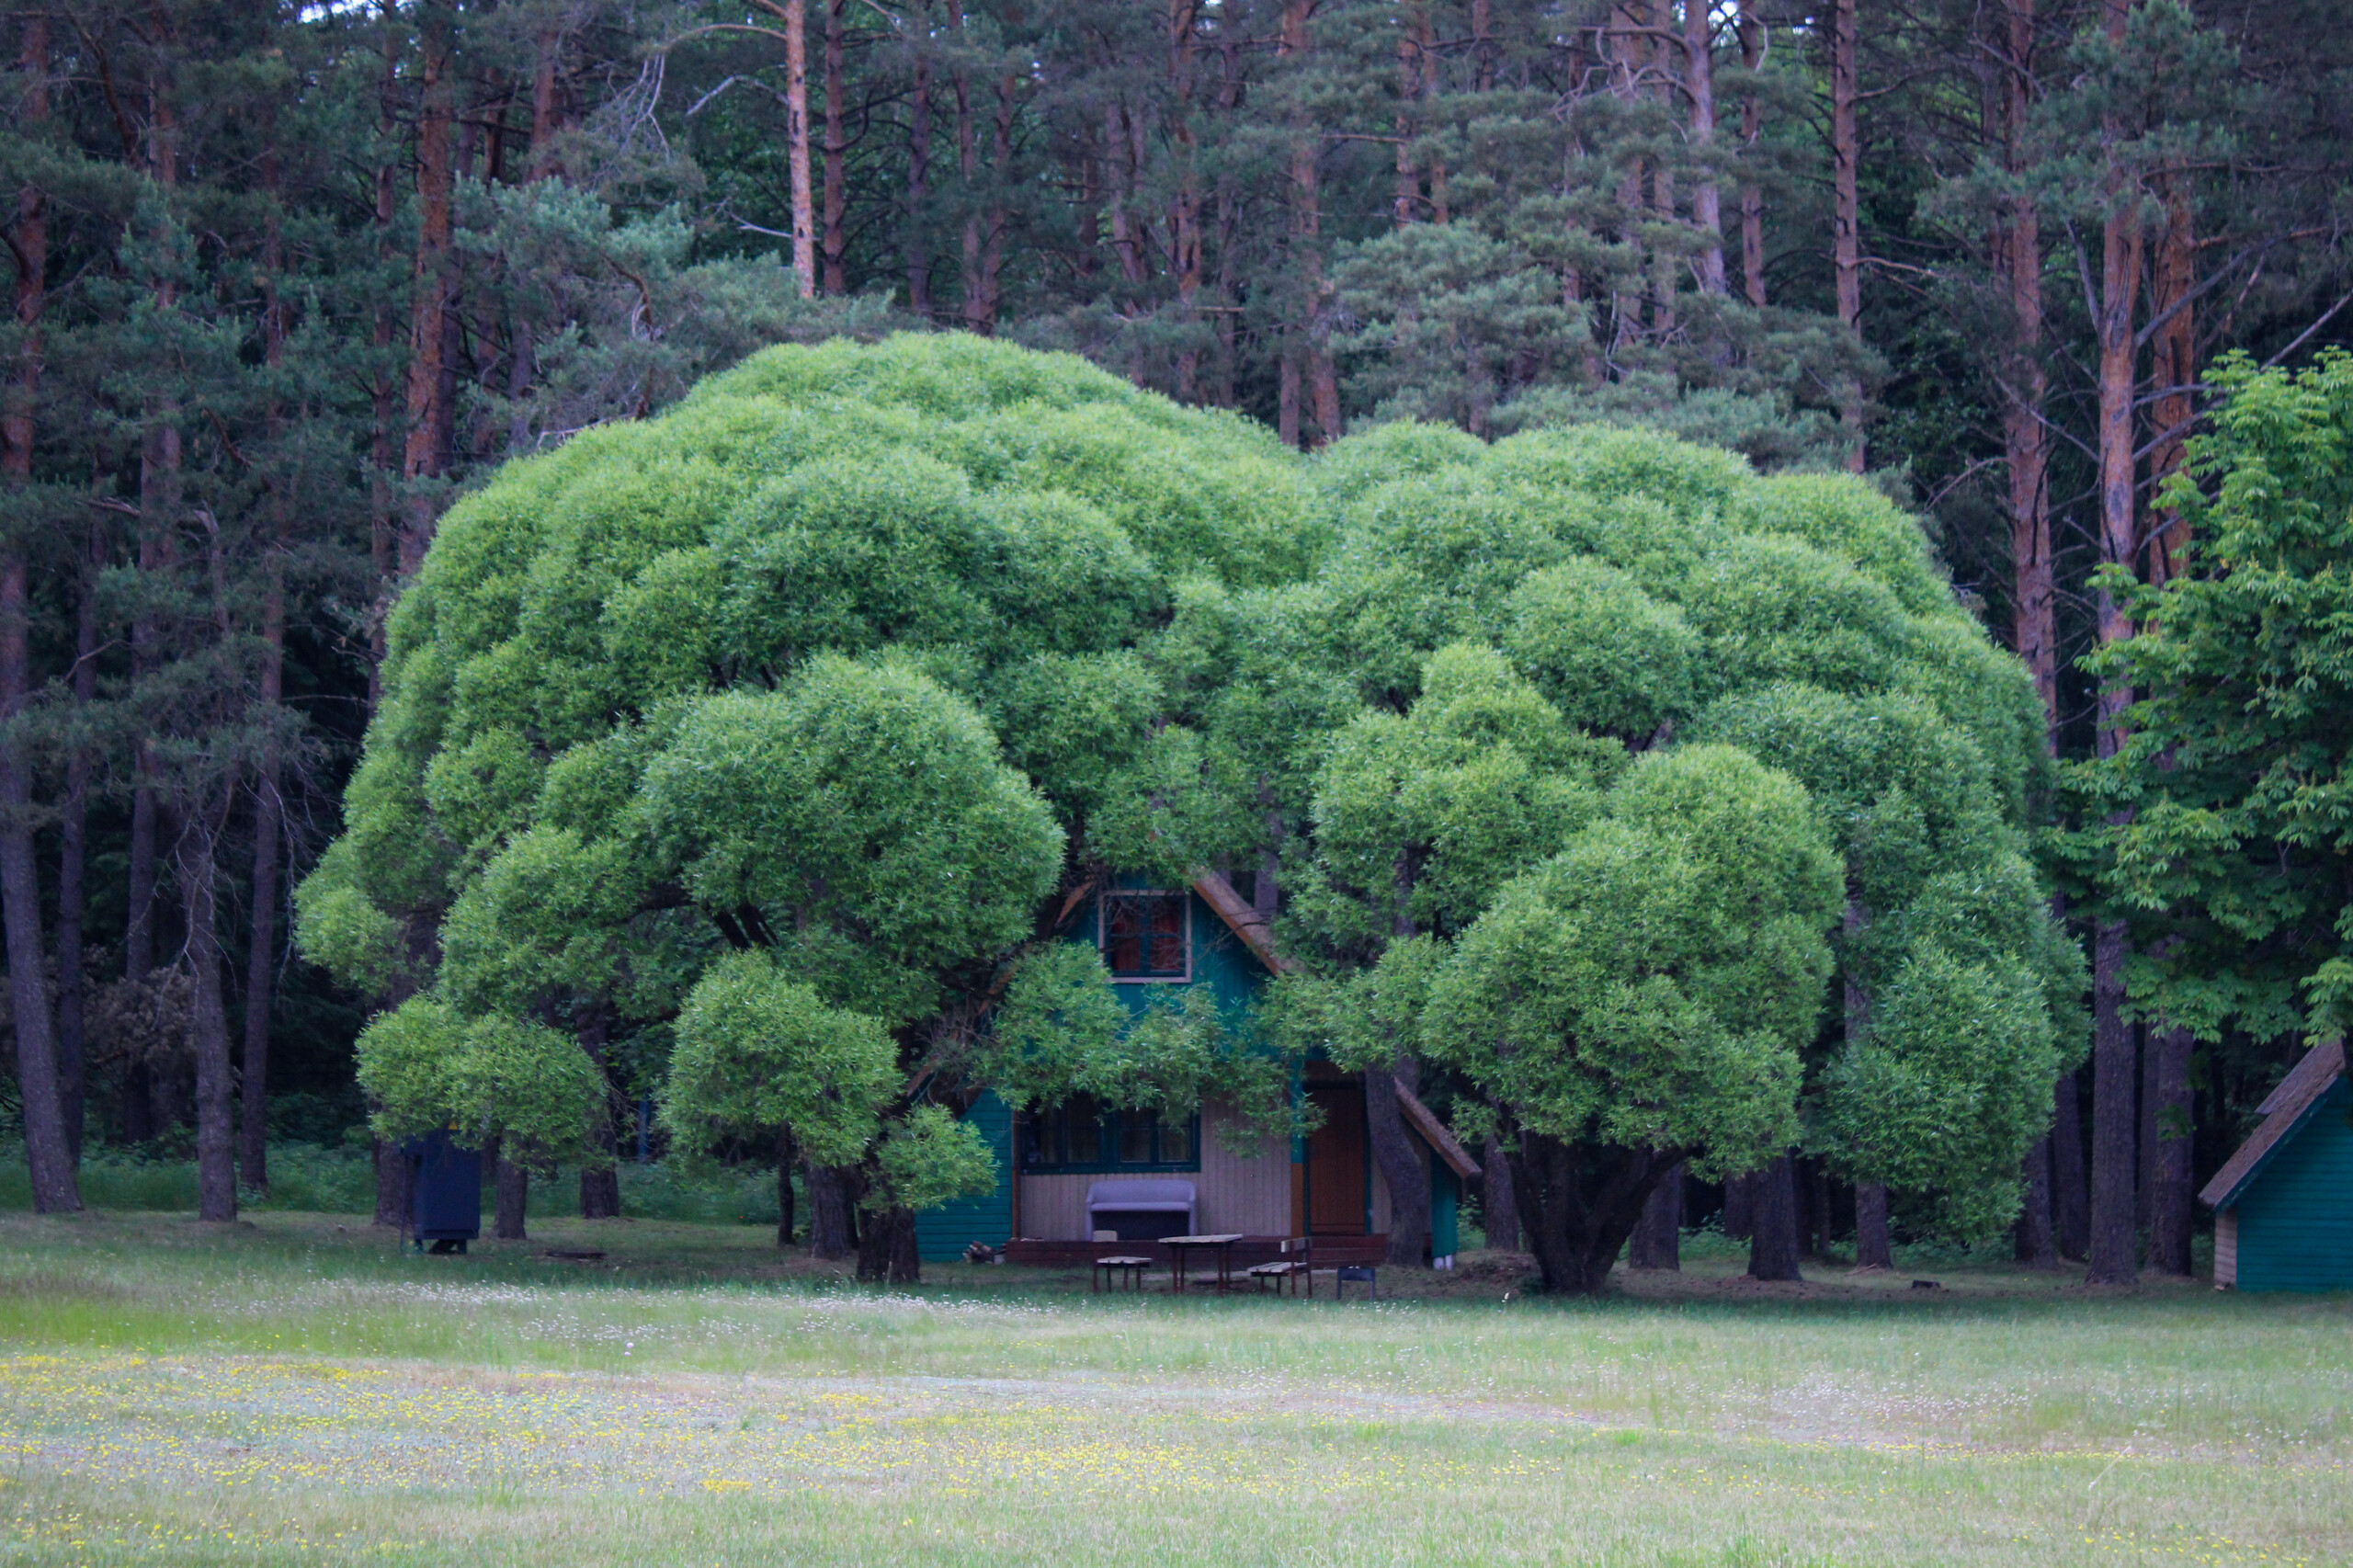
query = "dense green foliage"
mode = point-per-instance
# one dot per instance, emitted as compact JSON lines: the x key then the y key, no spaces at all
{"x":2233,"y":842}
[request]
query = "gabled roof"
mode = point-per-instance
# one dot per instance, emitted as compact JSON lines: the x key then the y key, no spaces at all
{"x":1242,"y":917}
{"x":2284,"y":1111}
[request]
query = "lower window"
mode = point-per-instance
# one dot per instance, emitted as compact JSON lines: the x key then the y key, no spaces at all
{"x":1085,"y":1135}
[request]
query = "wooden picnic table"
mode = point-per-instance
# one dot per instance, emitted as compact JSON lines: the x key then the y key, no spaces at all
{"x":1222,"y":1245}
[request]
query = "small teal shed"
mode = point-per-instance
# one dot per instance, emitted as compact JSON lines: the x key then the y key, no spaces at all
{"x":2283,"y":1204}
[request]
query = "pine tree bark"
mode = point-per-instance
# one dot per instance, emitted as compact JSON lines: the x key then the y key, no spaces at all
{"x":2025,"y":435}
{"x":2034,"y":1239}
{"x":73,"y":854}
{"x":261,"y":967}
{"x":1657,"y":1241}
{"x":837,"y":236}
{"x":2111,"y":1249}
{"x":2111,"y":1260}
{"x":914,"y":242}
{"x":1308,"y":390}
{"x":1845,"y":210}
{"x":2070,"y":1191}
{"x":48,"y":1149}
{"x":796,"y":145}
{"x":2174,"y":365}
{"x":1773,"y":1246}
{"x":195,"y":870}
{"x":424,"y":454}
{"x":2172,"y":1186}
{"x":1699,"y":83}
{"x":1752,"y":125}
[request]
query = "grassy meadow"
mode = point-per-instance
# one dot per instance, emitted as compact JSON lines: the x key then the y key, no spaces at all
{"x":293,"y":1389}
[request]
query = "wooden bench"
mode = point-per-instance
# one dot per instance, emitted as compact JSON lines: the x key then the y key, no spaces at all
{"x":1297,"y":1266}
{"x":1125,"y":1272}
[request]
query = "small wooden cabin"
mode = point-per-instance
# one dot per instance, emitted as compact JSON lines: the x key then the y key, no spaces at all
{"x":1054,"y":1161}
{"x":2283,"y":1203}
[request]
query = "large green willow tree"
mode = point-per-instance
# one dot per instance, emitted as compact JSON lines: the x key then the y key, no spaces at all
{"x":1478,"y":881}
{"x":691,"y":733}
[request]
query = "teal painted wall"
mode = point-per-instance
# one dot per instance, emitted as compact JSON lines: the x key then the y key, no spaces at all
{"x":943,"y":1233}
{"x":2296,"y":1218}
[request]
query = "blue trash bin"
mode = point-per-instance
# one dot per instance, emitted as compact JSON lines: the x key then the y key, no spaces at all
{"x":444,"y":1193}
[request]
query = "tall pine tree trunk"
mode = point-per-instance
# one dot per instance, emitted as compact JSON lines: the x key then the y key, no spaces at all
{"x":914,"y":242}
{"x":48,"y":1151}
{"x":1773,"y":1245}
{"x":2172,"y":1186}
{"x":836,"y":235}
{"x":1700,"y":81}
{"x":2111,"y":1248}
{"x":796,"y":145}
{"x":1845,"y":210}
{"x":194,"y":868}
{"x":73,"y":852}
{"x":2026,"y":436}
{"x":425,"y":453}
{"x":1752,"y":125}
{"x":2034,"y":1239}
{"x":2113,"y":1108}
{"x":2070,"y":1188}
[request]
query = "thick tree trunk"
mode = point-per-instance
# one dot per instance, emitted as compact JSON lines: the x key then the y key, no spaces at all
{"x":2070,"y":1190}
{"x":837,"y":236}
{"x":833,"y":1192}
{"x":1740,"y":1206}
{"x":1501,"y":1217}
{"x":1845,"y":209}
{"x":1657,"y":1241}
{"x":1580,"y":1205}
{"x":1773,"y":1248}
{"x":1874,"y":1241}
{"x":2172,"y":1188}
{"x":1752,"y":125}
{"x":49,"y":1149}
{"x":513,"y":1199}
{"x":886,"y":1248}
{"x":1404,"y":1166}
{"x":216,"y":1154}
{"x":2034,"y":1237}
{"x":2111,"y":1247}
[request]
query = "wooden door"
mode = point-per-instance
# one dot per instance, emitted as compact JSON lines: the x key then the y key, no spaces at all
{"x":1337,"y":1164}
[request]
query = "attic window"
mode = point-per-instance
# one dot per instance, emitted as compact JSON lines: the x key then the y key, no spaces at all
{"x":1143,"y":937}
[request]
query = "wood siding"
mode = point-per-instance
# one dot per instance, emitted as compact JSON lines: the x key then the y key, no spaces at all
{"x":2295,"y":1218}
{"x":2226,"y":1249}
{"x":1249,"y":1194}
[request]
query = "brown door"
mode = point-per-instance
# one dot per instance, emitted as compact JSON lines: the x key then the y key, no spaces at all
{"x":1336,"y":1167}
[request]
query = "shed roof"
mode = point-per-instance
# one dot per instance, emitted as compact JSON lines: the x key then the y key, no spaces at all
{"x":2284,"y":1111}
